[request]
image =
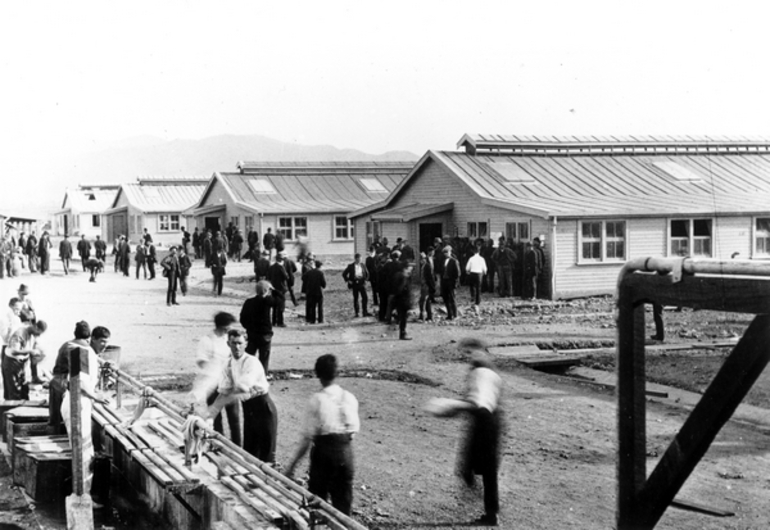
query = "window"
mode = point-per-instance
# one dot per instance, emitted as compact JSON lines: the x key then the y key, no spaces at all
{"x":235,"y":220}
{"x":168,"y":223}
{"x":762,"y":237}
{"x":517,"y":231}
{"x":602,"y":241}
{"x":477,"y":230}
{"x":343,"y":227}
{"x":248,"y":223}
{"x":690,"y":237}
{"x":292,"y":227}
{"x":96,"y":220}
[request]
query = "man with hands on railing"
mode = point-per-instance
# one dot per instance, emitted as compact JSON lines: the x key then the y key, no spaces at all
{"x":244,"y":393}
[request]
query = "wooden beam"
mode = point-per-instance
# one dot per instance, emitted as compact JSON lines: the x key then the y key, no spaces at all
{"x":731,"y":384}
{"x":632,"y":451}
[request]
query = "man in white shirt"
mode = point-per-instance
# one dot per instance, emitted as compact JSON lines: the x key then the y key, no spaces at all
{"x":330,"y":423}
{"x":245,"y":385}
{"x":211,"y":356}
{"x":481,"y":450}
{"x":476,"y":269}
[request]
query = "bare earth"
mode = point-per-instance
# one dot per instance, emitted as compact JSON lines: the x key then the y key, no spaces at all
{"x":558,"y":470}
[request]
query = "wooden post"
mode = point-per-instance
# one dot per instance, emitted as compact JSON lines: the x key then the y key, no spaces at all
{"x":79,"y":506}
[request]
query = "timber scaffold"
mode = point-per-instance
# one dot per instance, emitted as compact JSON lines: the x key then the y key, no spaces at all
{"x":226,"y":488}
{"x":730,"y":286}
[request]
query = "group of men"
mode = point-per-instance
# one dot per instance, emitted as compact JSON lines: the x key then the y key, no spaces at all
{"x":20,"y":351}
{"x":26,"y":251}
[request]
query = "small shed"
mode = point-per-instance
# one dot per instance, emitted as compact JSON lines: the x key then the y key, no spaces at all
{"x":157,"y":204}
{"x":594,"y":202}
{"x":297,"y":199}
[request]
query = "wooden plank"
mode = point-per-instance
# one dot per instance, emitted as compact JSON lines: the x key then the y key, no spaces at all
{"x":284,"y":504}
{"x":545,"y":361}
{"x":731,"y":384}
{"x":700,"y":508}
{"x":507,"y":351}
{"x":258,"y":506}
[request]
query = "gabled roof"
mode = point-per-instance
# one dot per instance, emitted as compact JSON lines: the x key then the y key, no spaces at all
{"x":308,"y":187}
{"x":734,"y":180}
{"x":161,"y":194}
{"x":89,"y":198}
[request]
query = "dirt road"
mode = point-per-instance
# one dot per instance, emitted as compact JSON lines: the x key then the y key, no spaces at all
{"x":559,"y":465}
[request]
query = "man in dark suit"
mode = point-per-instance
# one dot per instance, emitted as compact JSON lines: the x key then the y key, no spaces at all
{"x":427,"y":285}
{"x":100,"y":247}
{"x":315,"y":283}
{"x":449,"y":279}
{"x":356,"y":275}
{"x":255,"y":319}
{"x":279,"y":279}
{"x":385,"y":279}
{"x":84,"y":251}
{"x":268,"y":242}
{"x":402,"y":296}
{"x":262,"y":265}
{"x":65,"y":253}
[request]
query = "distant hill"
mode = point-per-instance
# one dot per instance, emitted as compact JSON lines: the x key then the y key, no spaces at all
{"x":146,"y":155}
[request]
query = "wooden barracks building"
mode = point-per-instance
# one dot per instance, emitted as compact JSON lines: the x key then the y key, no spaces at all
{"x":595,"y":202}
{"x":297,"y":199}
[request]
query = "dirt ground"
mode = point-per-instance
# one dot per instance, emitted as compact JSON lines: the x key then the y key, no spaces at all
{"x":558,"y":468}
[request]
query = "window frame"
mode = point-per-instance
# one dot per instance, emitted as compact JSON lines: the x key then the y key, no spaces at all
{"x":474,"y":230}
{"x":755,"y":235}
{"x":349,"y":228}
{"x":603,"y":241}
{"x":691,"y":237}
{"x":169,"y":222}
{"x":293,"y":229}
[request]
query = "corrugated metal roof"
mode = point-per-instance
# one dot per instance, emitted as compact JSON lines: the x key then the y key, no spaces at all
{"x":313,"y":187}
{"x":412,"y":211}
{"x":159,"y":197}
{"x":620,"y":184}
{"x":89,"y":199}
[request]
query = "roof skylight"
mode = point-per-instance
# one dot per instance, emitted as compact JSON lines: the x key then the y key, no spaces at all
{"x":511,"y":173}
{"x":373,"y":186}
{"x":261,"y":186}
{"x":677,"y":172}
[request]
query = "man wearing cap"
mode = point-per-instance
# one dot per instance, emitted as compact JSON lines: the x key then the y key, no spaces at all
{"x":356,"y":275}
{"x":22,"y":348}
{"x":386,"y":281}
{"x":255,"y":319}
{"x":84,"y":250}
{"x":261,"y":266}
{"x":449,"y":278}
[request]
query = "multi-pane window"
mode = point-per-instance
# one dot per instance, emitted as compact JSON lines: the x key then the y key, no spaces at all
{"x":248,"y":223}
{"x":517,"y":231}
{"x":602,"y":241}
{"x":690,"y":237}
{"x":235,"y":220}
{"x":168,"y":223}
{"x":343,"y":227}
{"x":762,"y":237}
{"x":292,"y":227}
{"x":477,"y":230}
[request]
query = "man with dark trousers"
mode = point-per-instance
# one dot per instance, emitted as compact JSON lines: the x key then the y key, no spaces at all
{"x":427,"y":285}
{"x":100,"y":248}
{"x":402,"y":296}
{"x":279,"y":279}
{"x":315,"y":283}
{"x":84,"y":251}
{"x":330,"y":434}
{"x":268,"y":242}
{"x":355,"y":275}
{"x":386,"y":278}
{"x":256,"y":320}
{"x":261,"y":266}
{"x":449,"y":278}
{"x":371,"y":271}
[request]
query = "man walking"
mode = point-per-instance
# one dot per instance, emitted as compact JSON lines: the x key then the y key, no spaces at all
{"x":315,"y":283}
{"x":65,"y":253}
{"x":356,"y":275}
{"x":331,"y":436}
{"x":100,"y":248}
{"x":255,"y":319}
{"x":84,"y":251}
{"x":279,"y":279}
{"x":476,"y":268}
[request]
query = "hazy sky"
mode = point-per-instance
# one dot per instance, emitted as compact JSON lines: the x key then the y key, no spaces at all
{"x":374,"y":76}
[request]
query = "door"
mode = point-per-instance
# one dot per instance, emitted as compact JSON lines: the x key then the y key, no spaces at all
{"x":428,"y":232}
{"x":212,"y":223}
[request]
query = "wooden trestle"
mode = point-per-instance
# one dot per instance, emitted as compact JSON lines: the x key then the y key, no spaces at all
{"x":742,"y":287}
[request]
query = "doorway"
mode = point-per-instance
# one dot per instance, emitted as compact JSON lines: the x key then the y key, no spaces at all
{"x":212,"y":224}
{"x":428,"y":232}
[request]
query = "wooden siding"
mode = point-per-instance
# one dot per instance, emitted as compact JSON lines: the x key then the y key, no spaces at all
{"x":320,"y":231}
{"x":646,"y":237}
